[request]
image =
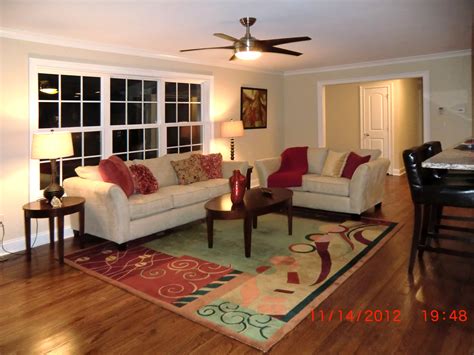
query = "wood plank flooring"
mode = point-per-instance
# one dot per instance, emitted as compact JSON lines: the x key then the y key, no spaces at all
{"x":48,"y":308}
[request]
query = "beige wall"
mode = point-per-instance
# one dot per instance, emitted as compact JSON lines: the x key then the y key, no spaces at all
{"x":342,"y":107}
{"x":449,"y":87}
{"x":14,"y":134}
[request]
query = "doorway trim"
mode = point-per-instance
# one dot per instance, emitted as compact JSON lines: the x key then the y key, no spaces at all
{"x":321,"y":93}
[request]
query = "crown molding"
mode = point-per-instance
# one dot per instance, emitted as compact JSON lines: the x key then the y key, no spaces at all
{"x":377,"y":63}
{"x":12,"y":33}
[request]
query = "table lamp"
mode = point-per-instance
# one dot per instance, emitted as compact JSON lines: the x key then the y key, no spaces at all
{"x":232,"y":129}
{"x":52,"y":145}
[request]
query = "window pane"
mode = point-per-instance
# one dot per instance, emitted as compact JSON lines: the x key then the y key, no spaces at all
{"x":117,"y":89}
{"x":195,"y":93}
{"x":172,"y":151}
{"x":197,"y":147}
{"x":151,"y":154}
{"x":48,"y":86}
{"x":77,"y":144}
{"x":184,"y":135}
{"x":117,"y":114}
{"x":134,"y":90}
{"x":197,"y":134}
{"x":135,"y":139}
{"x":45,"y":174}
{"x":69,"y":166}
{"x":91,"y":87}
{"x":133,"y":156}
{"x":151,"y":138}
{"x":150,"y":112}
{"x":91,"y":114}
{"x":170,"y":113}
{"x":70,"y":115}
{"x":48,"y":115}
{"x":184,"y":149}
{"x":150,"y":91}
{"x":195,"y":112}
{"x":170,"y":92}
{"x":119,"y":141}
{"x":134,"y":113}
{"x":122,"y":156}
{"x":92,"y":143}
{"x":92,"y":161}
{"x":70,"y":87}
{"x":172,"y":136}
{"x":183,"y":112}
{"x":183,"y":92}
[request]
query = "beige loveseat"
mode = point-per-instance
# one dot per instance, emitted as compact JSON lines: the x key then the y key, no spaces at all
{"x":337,"y":194}
{"x":109,"y":214}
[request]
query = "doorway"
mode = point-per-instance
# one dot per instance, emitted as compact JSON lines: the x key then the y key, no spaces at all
{"x":390,"y":113}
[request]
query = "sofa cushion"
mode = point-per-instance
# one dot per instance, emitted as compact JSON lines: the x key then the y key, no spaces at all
{"x":352,"y":163}
{"x":115,"y":171}
{"x":142,"y":206}
{"x":189,"y":170}
{"x":143,"y":179}
{"x":89,"y":172}
{"x":184,"y":195}
{"x":374,"y":153}
{"x":326,"y":185}
{"x":334,"y":164}
{"x":215,"y":187}
{"x":316,"y":159}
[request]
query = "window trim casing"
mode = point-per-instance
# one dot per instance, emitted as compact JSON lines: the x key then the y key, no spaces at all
{"x":38,"y":65}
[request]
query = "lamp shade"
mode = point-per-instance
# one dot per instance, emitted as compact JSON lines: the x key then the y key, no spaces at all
{"x":231,"y":129}
{"x":51,"y":145}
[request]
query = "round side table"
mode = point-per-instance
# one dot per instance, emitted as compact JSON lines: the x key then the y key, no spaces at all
{"x":42,"y":209}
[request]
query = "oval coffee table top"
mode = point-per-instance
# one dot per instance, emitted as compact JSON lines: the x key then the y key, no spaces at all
{"x":254,"y":200}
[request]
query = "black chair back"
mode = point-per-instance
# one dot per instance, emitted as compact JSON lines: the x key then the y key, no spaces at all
{"x":418,"y":177}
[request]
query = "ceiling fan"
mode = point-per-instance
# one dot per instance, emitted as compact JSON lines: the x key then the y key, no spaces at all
{"x":249,"y":48}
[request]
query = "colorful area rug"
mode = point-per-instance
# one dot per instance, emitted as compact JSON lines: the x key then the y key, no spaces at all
{"x":256,"y":300}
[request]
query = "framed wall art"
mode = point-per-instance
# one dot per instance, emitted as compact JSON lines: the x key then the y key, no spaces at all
{"x":253,"y":107}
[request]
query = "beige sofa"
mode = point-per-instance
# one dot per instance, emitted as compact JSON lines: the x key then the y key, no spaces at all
{"x":109,"y":214}
{"x":338,"y":194}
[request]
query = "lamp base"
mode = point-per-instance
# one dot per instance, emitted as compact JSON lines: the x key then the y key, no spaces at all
{"x":53,"y":190}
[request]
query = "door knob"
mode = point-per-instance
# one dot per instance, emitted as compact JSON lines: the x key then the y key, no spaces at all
{"x":366,"y":134}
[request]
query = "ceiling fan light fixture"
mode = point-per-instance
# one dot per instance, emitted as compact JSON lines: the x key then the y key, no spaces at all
{"x":248,"y":54}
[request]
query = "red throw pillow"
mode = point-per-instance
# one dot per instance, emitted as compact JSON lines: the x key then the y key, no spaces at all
{"x":115,"y":171}
{"x":144,"y":180}
{"x":211,"y":164}
{"x":352,"y":163}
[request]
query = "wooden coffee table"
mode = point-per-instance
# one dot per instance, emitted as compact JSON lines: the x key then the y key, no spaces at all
{"x":255,"y":204}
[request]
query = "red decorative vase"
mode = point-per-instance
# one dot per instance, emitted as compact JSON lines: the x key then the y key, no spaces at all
{"x":237,"y":187}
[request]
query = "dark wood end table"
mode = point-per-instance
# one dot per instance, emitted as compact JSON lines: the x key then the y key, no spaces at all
{"x":255,"y":204}
{"x":42,"y":209}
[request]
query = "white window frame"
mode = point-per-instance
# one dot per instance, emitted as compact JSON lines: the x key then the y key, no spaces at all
{"x":40,"y":65}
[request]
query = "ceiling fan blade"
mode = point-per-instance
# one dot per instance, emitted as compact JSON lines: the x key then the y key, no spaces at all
{"x":233,"y":58}
{"x":278,"y":41}
{"x":200,"y":49}
{"x":227,"y":37}
{"x":281,"y":51}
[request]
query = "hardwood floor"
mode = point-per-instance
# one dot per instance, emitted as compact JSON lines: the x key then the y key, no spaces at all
{"x":48,"y":308}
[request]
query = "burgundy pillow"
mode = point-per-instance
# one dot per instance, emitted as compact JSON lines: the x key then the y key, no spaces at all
{"x":211,"y":164}
{"x":352,"y":163}
{"x":144,"y":180}
{"x":115,"y":171}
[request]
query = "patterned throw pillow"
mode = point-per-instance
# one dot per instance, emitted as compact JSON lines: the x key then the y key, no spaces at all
{"x":143,"y":179}
{"x":189,"y":170}
{"x":211,"y":164}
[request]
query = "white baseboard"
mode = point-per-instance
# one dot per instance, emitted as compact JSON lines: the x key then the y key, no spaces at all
{"x":18,"y":244}
{"x":398,"y":172}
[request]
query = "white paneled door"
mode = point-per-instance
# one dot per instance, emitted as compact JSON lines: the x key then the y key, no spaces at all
{"x":375,"y":104}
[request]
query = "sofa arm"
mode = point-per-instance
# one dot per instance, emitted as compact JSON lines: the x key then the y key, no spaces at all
{"x":266,"y":167}
{"x":107,"y":212}
{"x":367,"y":185}
{"x":228,"y":167}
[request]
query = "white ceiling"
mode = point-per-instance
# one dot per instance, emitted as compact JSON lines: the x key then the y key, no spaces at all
{"x":342,"y":31}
